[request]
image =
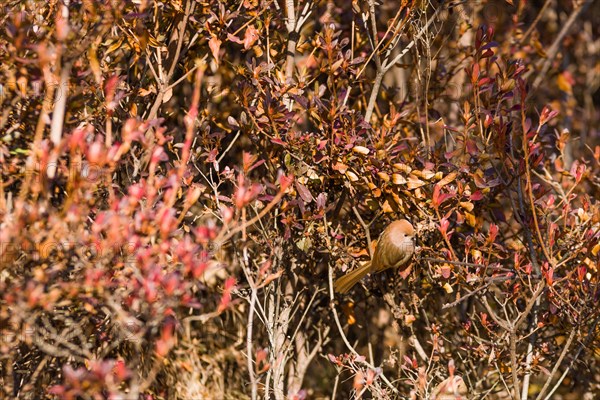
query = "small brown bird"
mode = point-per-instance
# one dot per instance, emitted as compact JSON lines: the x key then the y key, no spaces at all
{"x":394,"y":248}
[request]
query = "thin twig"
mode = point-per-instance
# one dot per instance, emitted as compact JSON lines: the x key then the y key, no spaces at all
{"x":249,"y":326}
{"x":366,"y":229}
{"x":343,"y":335}
{"x":557,"y":364}
{"x":529,"y":358}
{"x":387,"y":65}
{"x":237,"y":135}
{"x":529,"y":186}
{"x":226,"y":236}
{"x":451,"y":262}
{"x":530,"y":304}
{"x":551,"y":53}
{"x":417,"y":345}
{"x":463,"y":298}
{"x":171,"y":86}
{"x":535,"y":21}
{"x":58,"y":115}
{"x":514,"y":366}
{"x":583,"y":345}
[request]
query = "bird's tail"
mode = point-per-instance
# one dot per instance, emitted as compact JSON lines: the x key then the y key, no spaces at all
{"x":345,"y":283}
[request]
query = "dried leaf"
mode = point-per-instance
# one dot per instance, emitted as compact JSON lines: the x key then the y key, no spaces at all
{"x":114,"y":46}
{"x":414,"y":182}
{"x":352,"y":176}
{"x":565,"y":82}
{"x":303,"y":192}
{"x":360,"y":150}
{"x":168,"y":94}
{"x":340,"y":167}
{"x":215,"y":45}
{"x":398,"y":179}
{"x":95,"y":64}
{"x":250,"y":37}
{"x":383,"y":176}
{"x":447,"y":179}
{"x":425,"y":174}
{"x":448,"y":288}
{"x":445,"y":270}
{"x":386,"y":208}
{"x":471,"y":219}
{"x":467,"y":205}
{"x":402,"y":168}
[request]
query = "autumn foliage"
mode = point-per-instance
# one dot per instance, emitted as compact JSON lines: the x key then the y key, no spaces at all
{"x":181,"y":181}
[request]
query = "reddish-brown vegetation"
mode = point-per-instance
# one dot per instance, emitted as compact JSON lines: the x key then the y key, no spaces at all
{"x":181,"y":181}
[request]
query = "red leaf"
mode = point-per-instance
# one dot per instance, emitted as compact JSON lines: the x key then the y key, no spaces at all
{"x":279,"y":142}
{"x":493,"y":233}
{"x":436,"y":196}
{"x":444,"y":224}
{"x":445,"y":270}
{"x":226,"y":297}
{"x":121,"y":371}
{"x":285,"y":181}
{"x":581,"y":272}
{"x":475,"y":73}
{"x":527,"y":126}
{"x":547,"y":114}
{"x":478,"y":195}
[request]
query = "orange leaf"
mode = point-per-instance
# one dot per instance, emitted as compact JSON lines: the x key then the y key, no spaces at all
{"x":565,"y":82}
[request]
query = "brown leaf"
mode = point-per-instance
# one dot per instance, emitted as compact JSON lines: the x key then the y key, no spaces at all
{"x":340,"y":167}
{"x":471,"y":219}
{"x":360,"y":150}
{"x":383,"y":176}
{"x":565,"y":82}
{"x":304,"y":192}
{"x":447,"y":179}
{"x":414,"y":182}
{"x":398,"y":179}
{"x":114,"y":46}
{"x":250,"y":37}
{"x":402,"y":167}
{"x":386,"y":208}
{"x":95,"y":64}
{"x":352,"y":176}
{"x":467,"y":205}
{"x":215,"y":45}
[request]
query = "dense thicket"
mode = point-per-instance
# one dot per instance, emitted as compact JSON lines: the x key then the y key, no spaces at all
{"x":182,"y":180}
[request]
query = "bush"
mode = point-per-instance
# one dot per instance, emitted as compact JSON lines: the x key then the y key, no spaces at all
{"x":181,"y":182}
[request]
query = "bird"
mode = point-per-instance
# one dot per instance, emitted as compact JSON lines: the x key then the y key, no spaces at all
{"x":395,"y":248}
